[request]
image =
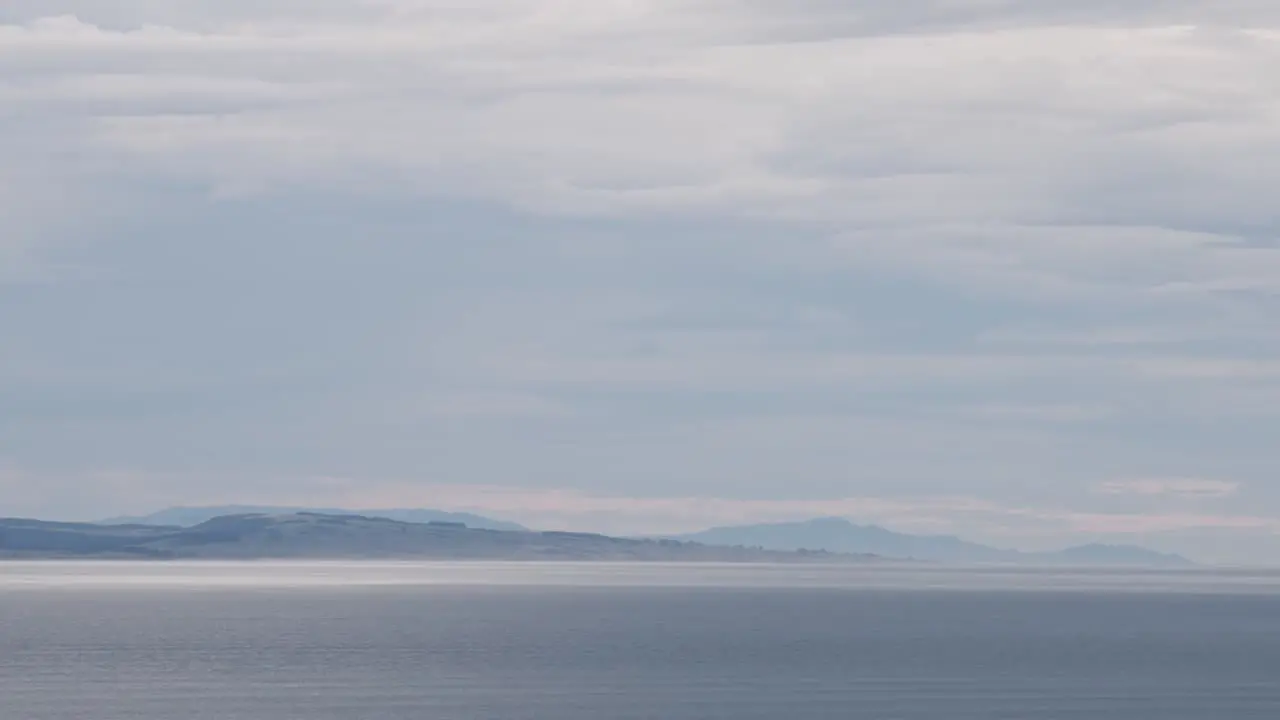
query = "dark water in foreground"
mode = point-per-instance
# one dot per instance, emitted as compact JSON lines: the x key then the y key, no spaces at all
{"x":400,"y":642}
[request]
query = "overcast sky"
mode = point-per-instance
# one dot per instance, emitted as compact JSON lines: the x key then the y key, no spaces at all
{"x":1000,"y":268}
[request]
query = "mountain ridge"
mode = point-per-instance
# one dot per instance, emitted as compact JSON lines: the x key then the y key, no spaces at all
{"x":320,"y":536}
{"x":841,"y":535}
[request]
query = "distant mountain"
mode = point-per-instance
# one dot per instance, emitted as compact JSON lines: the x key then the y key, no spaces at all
{"x":1118,"y":555}
{"x":192,"y":516}
{"x":840,"y":535}
{"x":39,"y":538}
{"x":311,"y":535}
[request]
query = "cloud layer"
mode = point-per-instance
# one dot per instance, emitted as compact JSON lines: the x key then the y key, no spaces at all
{"x":757,"y":252}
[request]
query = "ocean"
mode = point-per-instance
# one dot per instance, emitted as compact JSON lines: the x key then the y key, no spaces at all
{"x":421,"y":641}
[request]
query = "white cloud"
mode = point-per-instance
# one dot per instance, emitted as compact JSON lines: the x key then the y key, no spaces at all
{"x":1187,"y":488}
{"x":1053,"y":154}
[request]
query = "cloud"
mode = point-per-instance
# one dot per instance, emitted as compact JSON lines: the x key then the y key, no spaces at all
{"x":465,"y":405}
{"x":1186,"y":488}
{"x":1147,"y":523}
{"x":979,"y":249}
{"x":1060,"y":152}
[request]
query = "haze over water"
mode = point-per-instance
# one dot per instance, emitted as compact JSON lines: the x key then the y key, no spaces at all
{"x":392,"y":641}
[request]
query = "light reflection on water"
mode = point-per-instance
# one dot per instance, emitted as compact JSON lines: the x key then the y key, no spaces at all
{"x":281,"y":574}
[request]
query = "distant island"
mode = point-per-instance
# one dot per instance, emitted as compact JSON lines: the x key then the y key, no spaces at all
{"x":308,"y":535}
{"x":264,"y":532}
{"x":839,"y":535}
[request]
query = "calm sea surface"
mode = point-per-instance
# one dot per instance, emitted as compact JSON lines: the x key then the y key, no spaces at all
{"x":400,"y":641}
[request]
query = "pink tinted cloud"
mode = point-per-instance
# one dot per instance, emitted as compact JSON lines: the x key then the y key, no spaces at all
{"x":1172,"y":487}
{"x":1166,"y":522}
{"x":574,"y":509}
{"x":580,"y":510}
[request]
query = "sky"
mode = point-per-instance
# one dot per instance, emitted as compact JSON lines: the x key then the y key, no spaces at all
{"x":1006,"y":269}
